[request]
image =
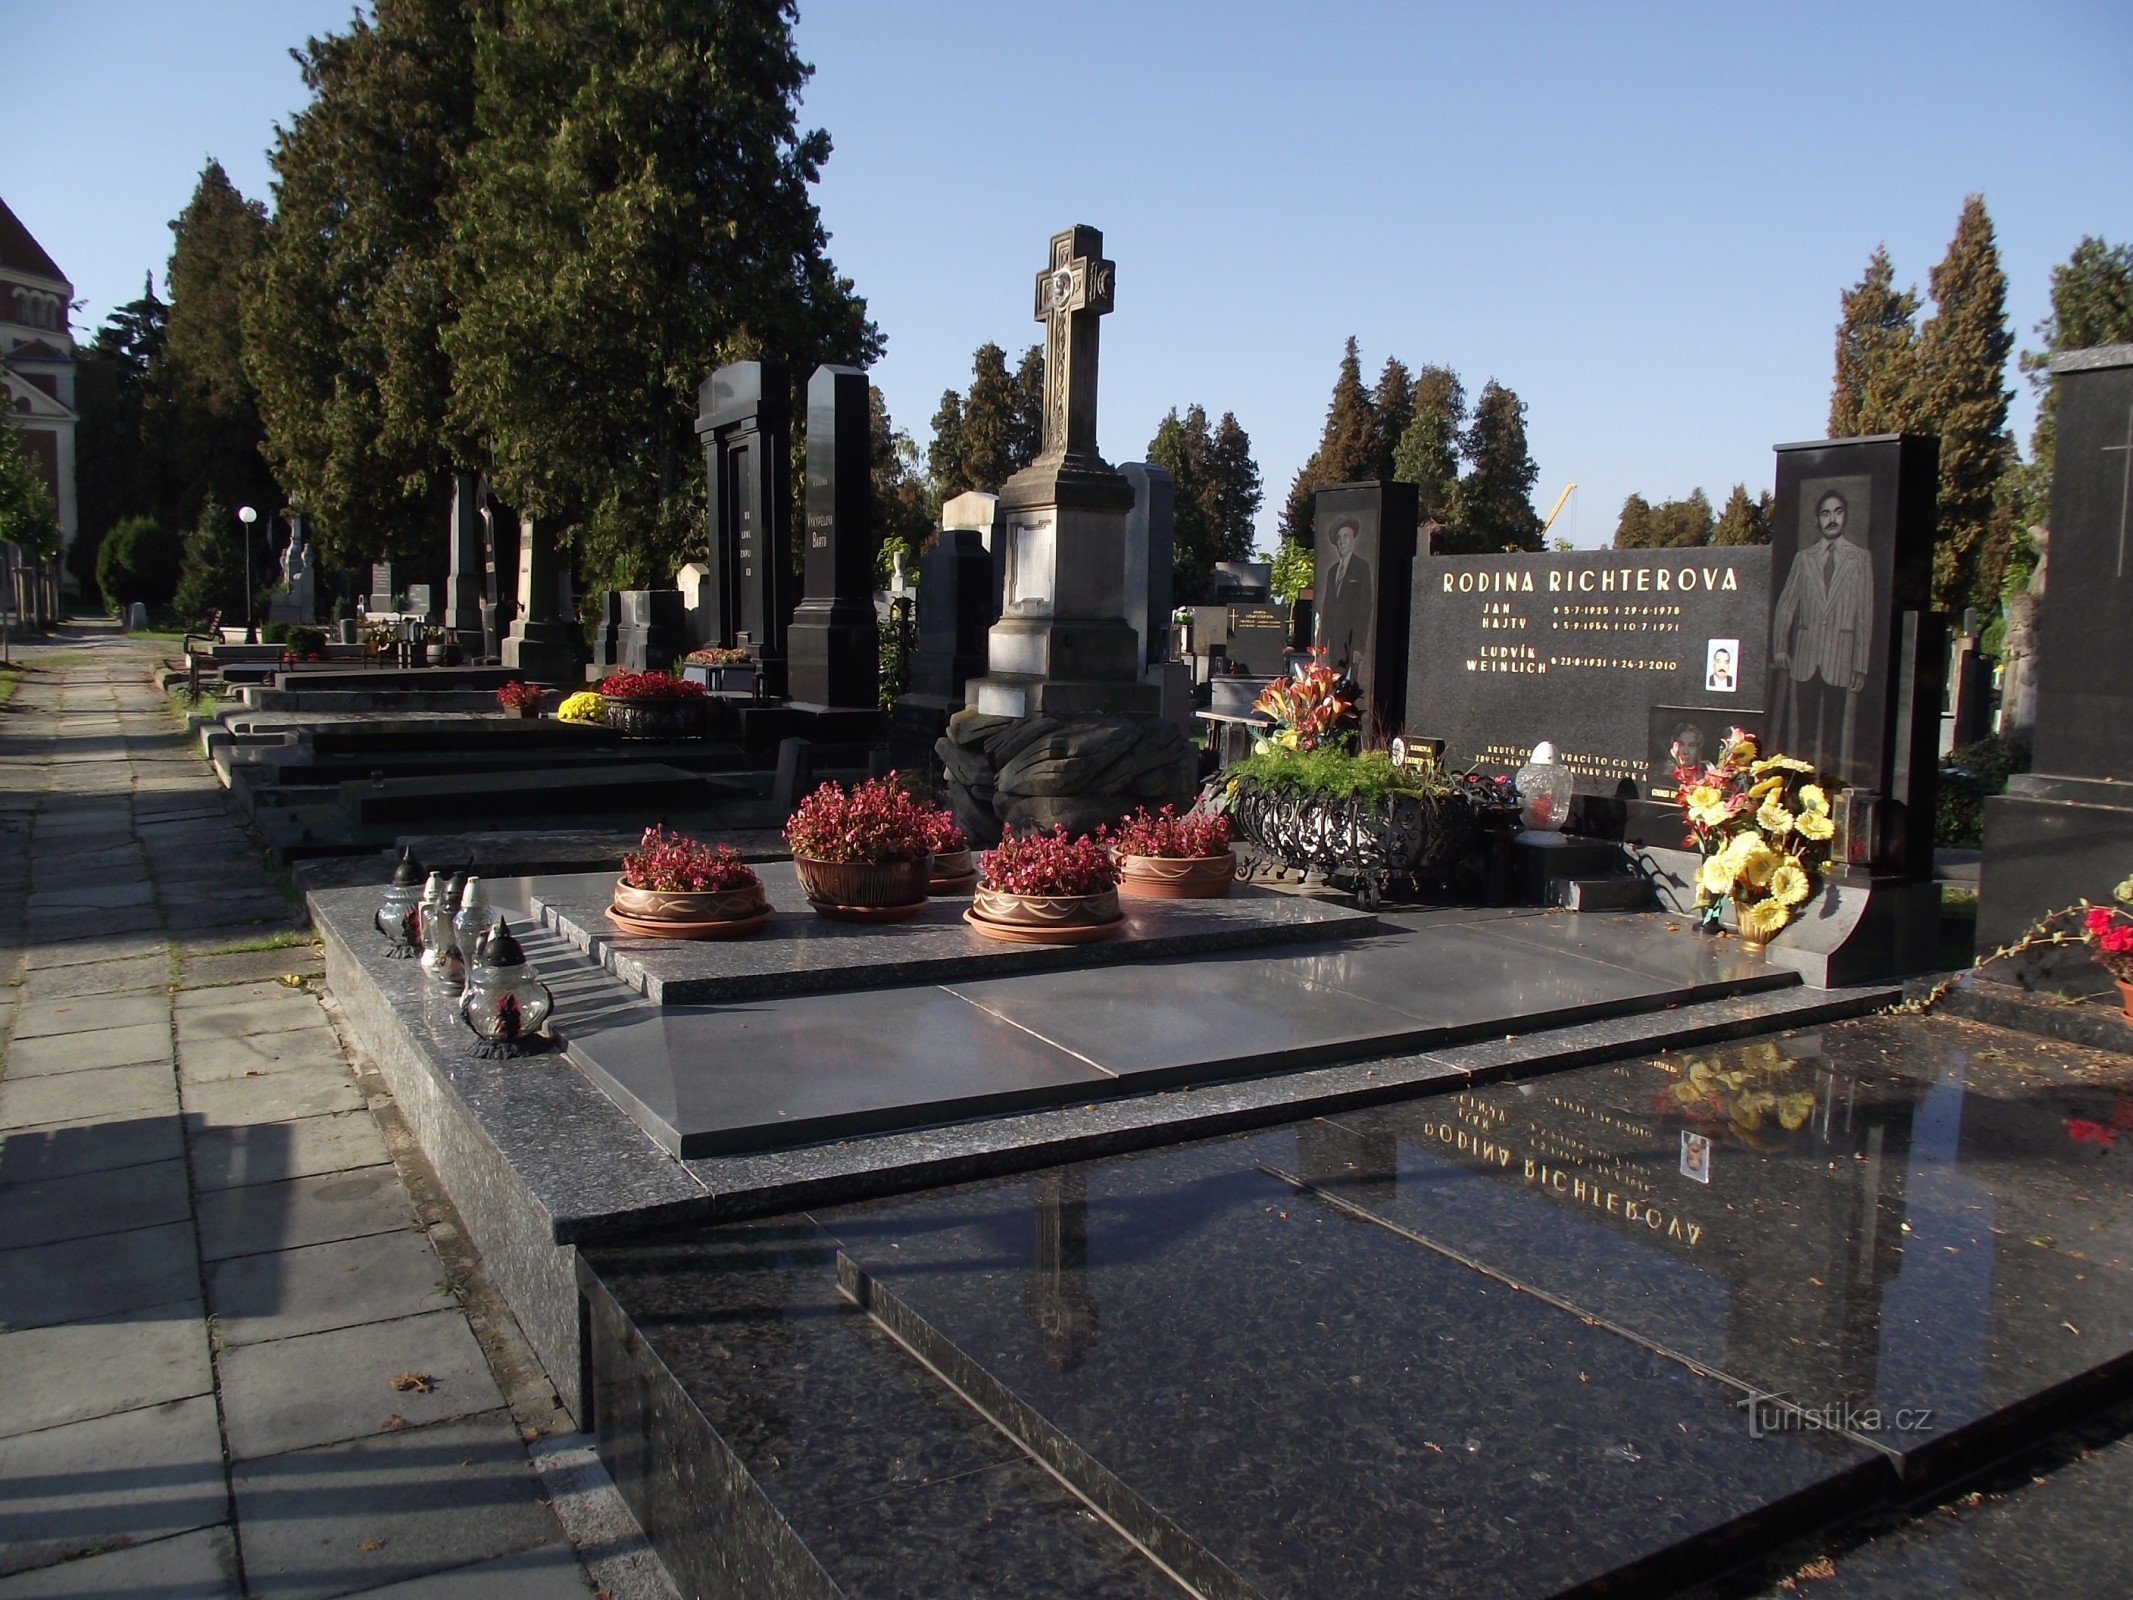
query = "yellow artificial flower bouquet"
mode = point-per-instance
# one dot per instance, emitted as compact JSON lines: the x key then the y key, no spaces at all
{"x":1764,"y":828}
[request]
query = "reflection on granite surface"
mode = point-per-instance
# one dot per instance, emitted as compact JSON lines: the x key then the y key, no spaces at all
{"x":1825,"y":1216}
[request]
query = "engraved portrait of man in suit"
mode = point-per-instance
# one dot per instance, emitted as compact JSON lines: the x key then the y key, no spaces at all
{"x":1822,"y":631}
{"x":1344,"y":598}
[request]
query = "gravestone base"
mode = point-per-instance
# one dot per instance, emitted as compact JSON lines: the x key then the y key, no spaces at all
{"x":757,"y":725}
{"x":2049,"y":841}
{"x":543,"y":652}
{"x":917,"y":723}
{"x":1542,"y":862}
{"x":1079,"y":772}
{"x":1860,"y":928}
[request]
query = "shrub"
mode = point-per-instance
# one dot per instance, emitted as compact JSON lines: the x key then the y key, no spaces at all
{"x":1049,"y":863}
{"x":138,"y":560}
{"x":210,"y":570}
{"x":677,"y":863}
{"x":1968,"y":775}
{"x":1164,"y":833}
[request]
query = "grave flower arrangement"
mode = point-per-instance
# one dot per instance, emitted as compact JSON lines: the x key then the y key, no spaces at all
{"x":952,"y":866}
{"x":1763,"y":826}
{"x":1313,"y":706}
{"x":1166,"y":856}
{"x":676,"y":887}
{"x":1047,"y":888}
{"x":582,"y":707}
{"x":864,"y":852}
{"x":715,"y":655}
{"x":654,"y":705}
{"x":2109,"y":934}
{"x":521,"y":699}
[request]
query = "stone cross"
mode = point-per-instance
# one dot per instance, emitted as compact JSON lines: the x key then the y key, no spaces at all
{"x":1072,"y":293}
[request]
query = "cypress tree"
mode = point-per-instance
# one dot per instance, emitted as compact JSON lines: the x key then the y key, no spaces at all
{"x":1347,"y":449}
{"x":1962,"y":361}
{"x":1393,"y":406}
{"x":1633,"y":528}
{"x":1184,"y":448}
{"x":1427,"y":455}
{"x":944,"y":456}
{"x":2092,"y":304}
{"x":118,"y":462}
{"x":344,"y":333}
{"x":1237,"y":493}
{"x":204,"y":415}
{"x":1876,"y":384}
{"x":1026,"y":440}
{"x":1743,"y":521}
{"x":1495,"y":501}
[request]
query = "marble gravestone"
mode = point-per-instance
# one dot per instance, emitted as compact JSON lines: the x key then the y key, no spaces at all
{"x":833,"y":643}
{"x":744,"y":421}
{"x":691,"y":582}
{"x":1362,"y":572}
{"x":543,"y":643}
{"x":418,"y":601}
{"x":466,"y":573}
{"x":1062,"y":730}
{"x":381,"y":587}
{"x":2063,"y":832}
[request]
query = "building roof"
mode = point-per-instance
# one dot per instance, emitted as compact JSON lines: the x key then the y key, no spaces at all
{"x":21,"y":251}
{"x":37,"y":350}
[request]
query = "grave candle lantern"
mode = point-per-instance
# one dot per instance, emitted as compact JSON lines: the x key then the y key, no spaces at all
{"x":440,"y":946}
{"x":399,"y":913}
{"x":475,"y":920}
{"x":1544,"y":788}
{"x":505,"y":1002}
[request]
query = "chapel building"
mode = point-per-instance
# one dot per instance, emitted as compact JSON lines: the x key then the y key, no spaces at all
{"x":37,"y":364}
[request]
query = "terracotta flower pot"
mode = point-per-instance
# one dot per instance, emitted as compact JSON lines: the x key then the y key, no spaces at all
{"x":2125,"y":997}
{"x":952,"y":869}
{"x":1177,"y":877}
{"x":1046,"y":910}
{"x":864,"y":885}
{"x":689,"y":905}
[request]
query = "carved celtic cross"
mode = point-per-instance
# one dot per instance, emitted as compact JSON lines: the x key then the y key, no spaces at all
{"x":1072,"y":293}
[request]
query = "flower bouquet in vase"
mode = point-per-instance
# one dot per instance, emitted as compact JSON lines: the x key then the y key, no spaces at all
{"x":2109,"y":933}
{"x":1164,"y":856}
{"x":863,"y":854}
{"x":521,"y":699}
{"x":1763,"y":826}
{"x":1044,"y":888}
{"x":676,"y":887}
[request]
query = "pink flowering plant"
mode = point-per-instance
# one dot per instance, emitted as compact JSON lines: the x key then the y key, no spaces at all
{"x":518,"y":695}
{"x":649,"y":686}
{"x":678,"y":864}
{"x":871,"y":823}
{"x":1049,"y":863}
{"x":1163,"y":833}
{"x":942,"y":834}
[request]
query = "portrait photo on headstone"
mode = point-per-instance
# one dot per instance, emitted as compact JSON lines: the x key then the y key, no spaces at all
{"x":1826,"y":628}
{"x":1721,"y":665}
{"x":1690,"y":736}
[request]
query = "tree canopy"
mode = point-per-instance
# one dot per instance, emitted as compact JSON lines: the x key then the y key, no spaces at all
{"x":984,"y":437}
{"x":1495,"y":500}
{"x":1218,"y":494}
{"x":1962,"y":367}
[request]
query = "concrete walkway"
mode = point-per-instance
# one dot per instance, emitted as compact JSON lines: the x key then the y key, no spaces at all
{"x":245,"y":1348}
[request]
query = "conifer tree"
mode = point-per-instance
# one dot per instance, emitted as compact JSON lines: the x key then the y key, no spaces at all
{"x":944,"y":456}
{"x":1962,"y":362}
{"x":1877,"y":356}
{"x":906,"y":512}
{"x":2092,"y":304}
{"x":1184,"y":447}
{"x":633,"y":211}
{"x":1427,"y":455}
{"x":1495,"y":501}
{"x":117,"y":461}
{"x":204,"y":415}
{"x":1743,"y":521}
{"x":1392,"y":406}
{"x":357,"y":281}
{"x":984,"y":437}
{"x":1633,"y":528}
{"x":211,"y":568}
{"x":1347,"y":449}
{"x":1027,"y":438}
{"x":1237,"y":494}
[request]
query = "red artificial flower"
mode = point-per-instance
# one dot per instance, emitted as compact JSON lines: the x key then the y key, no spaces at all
{"x":2098,"y":919}
{"x":648,"y":686}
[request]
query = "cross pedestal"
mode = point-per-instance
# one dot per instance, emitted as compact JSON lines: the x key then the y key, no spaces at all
{"x":1063,"y":646}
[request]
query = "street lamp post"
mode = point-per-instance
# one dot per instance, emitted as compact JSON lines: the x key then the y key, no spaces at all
{"x":247,"y":516}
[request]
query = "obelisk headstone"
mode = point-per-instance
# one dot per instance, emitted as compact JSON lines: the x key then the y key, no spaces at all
{"x":542,"y":646}
{"x":744,"y":420}
{"x":466,"y":573}
{"x":833,"y":644}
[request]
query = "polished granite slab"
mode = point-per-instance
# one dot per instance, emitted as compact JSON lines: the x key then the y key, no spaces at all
{"x":1924,"y":1227}
{"x":801,"y":952}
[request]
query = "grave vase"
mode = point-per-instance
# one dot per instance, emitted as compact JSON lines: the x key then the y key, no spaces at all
{"x":1177,"y":877}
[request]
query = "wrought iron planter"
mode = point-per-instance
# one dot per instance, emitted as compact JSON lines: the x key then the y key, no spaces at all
{"x":1379,"y":846}
{"x":670,"y":719}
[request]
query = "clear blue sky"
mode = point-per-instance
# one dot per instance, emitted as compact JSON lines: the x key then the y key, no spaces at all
{"x":1639,"y":217}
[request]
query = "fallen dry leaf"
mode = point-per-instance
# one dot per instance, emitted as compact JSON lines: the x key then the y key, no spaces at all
{"x":1820,"y":1567}
{"x":413,"y":1383}
{"x":393,"y":1423}
{"x":371,"y":1544}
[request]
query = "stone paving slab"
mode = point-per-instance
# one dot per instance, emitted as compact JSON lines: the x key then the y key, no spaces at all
{"x":114,"y":946}
{"x":244,"y":1086}
{"x":84,"y":1051}
{"x":61,"y":1149}
{"x":85,"y":1014}
{"x":54,"y":1376}
{"x":201,"y":1565}
{"x":348,"y":1517}
{"x":114,"y":1480}
{"x":91,"y":1203}
{"x":321,"y":1287}
{"x":269,"y":1152}
{"x":132,"y":975}
{"x":322,"y":1388}
{"x":543,"y":1573}
{"x":242,"y":1013}
{"x":107,"y":1092}
{"x":243,"y":966}
{"x":300,"y":1211}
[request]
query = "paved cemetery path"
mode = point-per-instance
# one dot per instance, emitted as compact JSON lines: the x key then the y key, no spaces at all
{"x":244,"y":1346}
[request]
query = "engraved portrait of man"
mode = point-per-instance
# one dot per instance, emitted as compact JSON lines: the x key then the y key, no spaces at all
{"x":1822,"y":632}
{"x":1344,"y":595}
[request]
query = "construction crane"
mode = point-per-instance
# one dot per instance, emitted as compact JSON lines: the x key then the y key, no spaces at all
{"x":1556,"y":510}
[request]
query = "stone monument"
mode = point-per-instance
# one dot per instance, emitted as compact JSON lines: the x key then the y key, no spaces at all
{"x":744,"y":419}
{"x":2018,"y":680}
{"x":298,"y":600}
{"x":1363,"y":577}
{"x":1062,"y":729}
{"x":833,"y":645}
{"x":543,"y":643}
{"x":957,"y":604}
{"x":1151,"y":531}
{"x":2064,"y":831}
{"x":692,"y":580}
{"x":467,"y":571}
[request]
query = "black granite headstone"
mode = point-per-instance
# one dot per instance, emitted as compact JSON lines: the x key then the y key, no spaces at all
{"x":834,"y":640}
{"x":1581,"y":648}
{"x":1259,"y":638}
{"x":744,"y":420}
{"x":2064,"y":832}
{"x":1363,"y":571}
{"x":1150,"y":529}
{"x":606,"y":634}
{"x":1856,"y":655}
{"x":467,"y":567}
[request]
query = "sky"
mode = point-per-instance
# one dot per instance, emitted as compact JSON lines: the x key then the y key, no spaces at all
{"x":1640,"y":218}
